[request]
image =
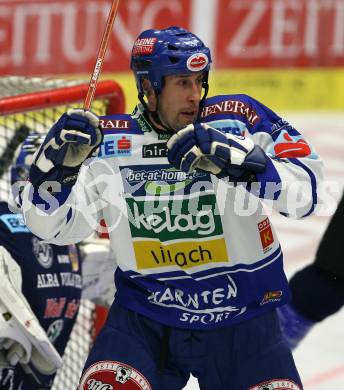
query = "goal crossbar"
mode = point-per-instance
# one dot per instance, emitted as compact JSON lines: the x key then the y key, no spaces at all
{"x":107,"y":89}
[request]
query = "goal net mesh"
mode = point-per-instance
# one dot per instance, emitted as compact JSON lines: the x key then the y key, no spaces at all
{"x":35,"y":104}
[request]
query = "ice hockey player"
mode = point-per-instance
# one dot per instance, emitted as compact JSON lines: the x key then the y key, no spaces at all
{"x":40,"y":289}
{"x":179,"y":184}
{"x":41,"y":286}
{"x":317,"y":289}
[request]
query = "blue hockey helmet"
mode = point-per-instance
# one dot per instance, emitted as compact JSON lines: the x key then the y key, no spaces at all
{"x":171,"y":51}
{"x":23,"y":157}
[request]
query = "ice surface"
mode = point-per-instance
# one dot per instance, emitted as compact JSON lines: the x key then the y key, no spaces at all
{"x":320,"y":357}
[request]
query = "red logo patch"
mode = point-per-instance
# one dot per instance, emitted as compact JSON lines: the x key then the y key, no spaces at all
{"x":197,"y":62}
{"x":265,"y":232}
{"x":144,"y":46}
{"x":111,"y":375}
{"x":292,"y":148}
{"x":124,"y":143}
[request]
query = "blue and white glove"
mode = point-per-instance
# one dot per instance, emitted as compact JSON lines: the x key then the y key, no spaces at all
{"x":70,"y":141}
{"x":199,"y":146}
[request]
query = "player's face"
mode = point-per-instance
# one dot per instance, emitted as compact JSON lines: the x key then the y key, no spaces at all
{"x":178,"y":102}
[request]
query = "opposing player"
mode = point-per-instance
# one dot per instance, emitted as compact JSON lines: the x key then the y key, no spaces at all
{"x":46,"y":280}
{"x":317,"y":289}
{"x":200,"y":267}
{"x":40,"y":290}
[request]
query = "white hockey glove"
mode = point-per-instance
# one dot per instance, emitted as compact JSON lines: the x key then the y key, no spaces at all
{"x":199,"y":146}
{"x":23,"y":340}
{"x":14,"y":346}
{"x":71,"y":140}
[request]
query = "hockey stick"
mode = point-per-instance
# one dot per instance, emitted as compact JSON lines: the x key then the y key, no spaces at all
{"x":101,"y":55}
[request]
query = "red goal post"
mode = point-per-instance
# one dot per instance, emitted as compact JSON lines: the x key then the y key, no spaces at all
{"x":106,"y":90}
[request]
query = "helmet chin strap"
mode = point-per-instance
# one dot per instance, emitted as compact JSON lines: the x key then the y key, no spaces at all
{"x":205,"y":85}
{"x":155,"y":115}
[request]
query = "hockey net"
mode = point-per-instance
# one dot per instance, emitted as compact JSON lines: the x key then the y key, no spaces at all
{"x":35,"y":104}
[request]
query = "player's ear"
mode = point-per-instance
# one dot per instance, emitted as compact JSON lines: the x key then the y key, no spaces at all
{"x":150,"y":94}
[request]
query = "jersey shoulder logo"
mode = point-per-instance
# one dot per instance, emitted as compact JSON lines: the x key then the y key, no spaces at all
{"x":14,"y":223}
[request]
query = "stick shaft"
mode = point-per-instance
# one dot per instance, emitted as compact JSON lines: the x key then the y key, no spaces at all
{"x":101,"y":55}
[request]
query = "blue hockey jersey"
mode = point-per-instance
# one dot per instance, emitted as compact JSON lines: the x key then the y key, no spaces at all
{"x":51,"y":283}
